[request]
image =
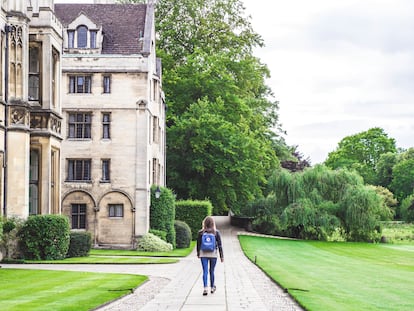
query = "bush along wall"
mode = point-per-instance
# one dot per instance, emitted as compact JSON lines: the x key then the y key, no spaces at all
{"x":162,"y":213}
{"x":80,"y":244}
{"x":183,"y":234}
{"x":45,"y":237}
{"x":193,"y":213}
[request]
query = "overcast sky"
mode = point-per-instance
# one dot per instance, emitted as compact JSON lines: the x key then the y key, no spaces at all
{"x":339,"y":67}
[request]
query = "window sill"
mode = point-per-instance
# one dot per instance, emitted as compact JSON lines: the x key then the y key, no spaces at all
{"x":79,"y":181}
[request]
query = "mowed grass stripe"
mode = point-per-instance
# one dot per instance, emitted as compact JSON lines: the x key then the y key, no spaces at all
{"x":337,"y":276}
{"x":62,"y":290}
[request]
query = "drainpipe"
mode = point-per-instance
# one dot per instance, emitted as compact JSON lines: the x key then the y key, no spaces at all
{"x":7,"y":30}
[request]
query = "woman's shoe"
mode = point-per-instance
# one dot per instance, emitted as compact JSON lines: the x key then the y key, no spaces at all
{"x":205,"y":292}
{"x":213,"y":289}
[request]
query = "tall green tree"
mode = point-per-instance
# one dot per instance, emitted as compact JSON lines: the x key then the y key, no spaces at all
{"x":216,"y":94}
{"x":223,"y":134}
{"x":402,"y":184}
{"x":222,"y":160}
{"x":361,"y":152}
{"x":384,"y":168}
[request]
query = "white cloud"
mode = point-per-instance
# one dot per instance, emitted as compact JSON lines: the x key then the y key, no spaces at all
{"x":338,"y":68}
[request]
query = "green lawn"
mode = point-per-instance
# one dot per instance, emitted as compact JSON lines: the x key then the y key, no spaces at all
{"x":107,"y":259}
{"x":62,"y":290}
{"x":338,"y":276}
{"x":103,"y":256}
{"x":178,"y":252}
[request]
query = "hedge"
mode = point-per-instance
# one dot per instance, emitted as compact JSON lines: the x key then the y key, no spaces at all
{"x":44,"y":237}
{"x":193,"y":213}
{"x":162,"y":213}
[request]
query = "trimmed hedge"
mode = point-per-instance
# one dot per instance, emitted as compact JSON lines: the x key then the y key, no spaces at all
{"x":44,"y":237}
{"x":80,"y":244}
{"x":162,"y":213}
{"x":182,"y":234}
{"x":193,"y":213}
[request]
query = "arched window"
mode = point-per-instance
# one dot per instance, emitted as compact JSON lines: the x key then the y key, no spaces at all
{"x":82,"y":37}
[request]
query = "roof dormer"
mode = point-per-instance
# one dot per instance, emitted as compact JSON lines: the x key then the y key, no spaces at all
{"x":83,"y":36}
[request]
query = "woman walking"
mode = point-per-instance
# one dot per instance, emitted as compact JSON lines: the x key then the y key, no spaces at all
{"x":208,"y":242}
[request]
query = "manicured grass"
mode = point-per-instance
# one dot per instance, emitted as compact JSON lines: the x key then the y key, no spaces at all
{"x":178,"y":252}
{"x":39,"y":290}
{"x":338,"y":276}
{"x":110,"y":259}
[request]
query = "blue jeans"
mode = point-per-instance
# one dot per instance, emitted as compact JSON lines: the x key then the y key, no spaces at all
{"x":204,"y":263}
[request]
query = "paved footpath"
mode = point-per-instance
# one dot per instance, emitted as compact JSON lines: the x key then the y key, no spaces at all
{"x":240,"y":284}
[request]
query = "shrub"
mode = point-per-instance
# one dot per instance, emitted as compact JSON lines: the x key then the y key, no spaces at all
{"x":159,"y":233}
{"x":152,"y":243}
{"x":80,"y":244}
{"x":193,"y":214}
{"x":182,"y":234}
{"x":162,"y":213}
{"x":9,"y":241}
{"x":44,"y":237}
{"x":1,"y":228}
{"x":407,"y":209}
{"x":268,"y":224}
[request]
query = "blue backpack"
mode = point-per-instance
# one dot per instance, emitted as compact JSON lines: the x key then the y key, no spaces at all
{"x":208,"y":242}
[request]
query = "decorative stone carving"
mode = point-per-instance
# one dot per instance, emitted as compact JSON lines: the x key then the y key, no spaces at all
{"x":38,"y":122}
{"x":18,"y":115}
{"x":55,"y":125}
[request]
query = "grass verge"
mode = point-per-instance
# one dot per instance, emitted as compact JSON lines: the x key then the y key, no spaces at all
{"x":39,"y":290}
{"x":109,"y":259}
{"x":178,"y":252}
{"x":338,"y":276}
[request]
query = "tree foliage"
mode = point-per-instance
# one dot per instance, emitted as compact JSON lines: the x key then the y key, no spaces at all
{"x":362,"y":152}
{"x":217,"y":158}
{"x":317,"y":202}
{"x":402,"y":183}
{"x":220,"y":145}
{"x":296,"y":162}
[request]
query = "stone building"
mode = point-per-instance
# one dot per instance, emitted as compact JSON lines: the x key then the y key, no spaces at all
{"x":84,"y":132}
{"x":30,"y":110}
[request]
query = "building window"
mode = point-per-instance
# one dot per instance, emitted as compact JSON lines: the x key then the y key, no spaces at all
{"x":78,"y":216}
{"x":71,"y":39}
{"x":55,"y":73}
{"x":155,"y":171}
{"x":34,"y":183}
{"x":106,"y":165}
{"x":107,"y":84}
{"x":80,"y":125}
{"x":80,"y":84}
{"x":82,"y":36}
{"x":92,"y":34}
{"x":79,"y":170}
{"x":116,"y":210}
{"x":155,"y":129}
{"x":106,"y":125}
{"x":34,"y":72}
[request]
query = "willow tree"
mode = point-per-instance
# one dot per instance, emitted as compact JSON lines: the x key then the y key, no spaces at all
{"x":318,"y":201}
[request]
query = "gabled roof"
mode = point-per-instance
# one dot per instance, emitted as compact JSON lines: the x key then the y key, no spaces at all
{"x":122,"y":24}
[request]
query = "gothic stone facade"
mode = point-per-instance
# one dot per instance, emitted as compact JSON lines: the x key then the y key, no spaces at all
{"x":85,"y":135}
